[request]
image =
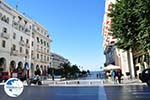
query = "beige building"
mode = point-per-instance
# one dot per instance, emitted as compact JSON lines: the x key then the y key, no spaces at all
{"x":114,"y":55}
{"x":57,"y":61}
{"x":24,"y":44}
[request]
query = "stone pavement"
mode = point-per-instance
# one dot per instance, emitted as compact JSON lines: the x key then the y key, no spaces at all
{"x":104,"y":82}
{"x":124,"y":82}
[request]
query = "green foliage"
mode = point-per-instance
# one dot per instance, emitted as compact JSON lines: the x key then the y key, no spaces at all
{"x":70,"y":72}
{"x":131,"y":24}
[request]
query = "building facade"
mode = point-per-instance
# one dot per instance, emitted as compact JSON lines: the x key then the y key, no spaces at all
{"x":57,"y":61}
{"x":141,"y":61}
{"x":114,"y":55}
{"x":24,"y":44}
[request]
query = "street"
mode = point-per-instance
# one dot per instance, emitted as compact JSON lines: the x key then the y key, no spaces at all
{"x":131,"y":92}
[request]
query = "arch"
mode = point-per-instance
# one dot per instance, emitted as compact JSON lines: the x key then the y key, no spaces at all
{"x":41,"y":67}
{"x":45,"y":67}
{"x":37,"y":67}
{"x":12,"y":67}
{"x":20,"y":66}
{"x":2,"y":64}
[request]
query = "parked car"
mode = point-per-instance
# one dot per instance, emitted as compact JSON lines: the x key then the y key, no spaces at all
{"x":34,"y":80}
{"x":4,"y":76}
{"x":145,"y":76}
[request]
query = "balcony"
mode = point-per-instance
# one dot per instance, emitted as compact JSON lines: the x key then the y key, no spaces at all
{"x":5,"y":35}
{"x":39,"y":50}
{"x":22,"y":54}
{"x":28,"y":45}
{"x":27,"y":31}
{"x":43,"y":61}
{"x":22,"y":43}
{"x":14,"y":52}
{"x":15,"y":25}
{"x":33,"y":58}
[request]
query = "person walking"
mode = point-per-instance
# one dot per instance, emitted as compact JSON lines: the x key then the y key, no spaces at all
{"x":113,"y":74}
{"x":119,"y":74}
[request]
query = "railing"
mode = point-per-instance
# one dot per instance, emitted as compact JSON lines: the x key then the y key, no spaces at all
{"x":5,"y":35}
{"x":28,"y":45}
{"x":22,"y":43}
{"x":75,"y":83}
{"x":14,"y":52}
{"x":39,"y":50}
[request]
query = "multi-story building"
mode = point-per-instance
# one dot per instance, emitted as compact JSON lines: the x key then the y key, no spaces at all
{"x":114,"y":55}
{"x":25,"y":44}
{"x":141,"y":61}
{"x":57,"y":61}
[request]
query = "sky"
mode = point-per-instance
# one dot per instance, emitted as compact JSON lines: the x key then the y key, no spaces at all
{"x":74,"y":26}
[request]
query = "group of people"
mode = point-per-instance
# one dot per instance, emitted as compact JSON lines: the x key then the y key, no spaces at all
{"x":116,"y":76}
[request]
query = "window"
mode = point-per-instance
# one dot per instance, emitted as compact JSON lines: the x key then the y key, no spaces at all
{"x":27,"y":41}
{"x":32,"y":43}
{"x":7,"y":20}
{"x":19,"y":18}
{"x":13,"y":47}
{"x":5,"y":30}
{"x":47,"y":45}
{"x":32,"y":53}
{"x":44,"y":49}
{"x":47,"y":58}
{"x":27,"y":52}
{"x":14,"y":35}
{"x":41,"y":41}
{"x":44,"y":43}
{"x":41,"y":57}
{"x":38,"y":28}
{"x":41,"y":48}
{"x":37,"y":56}
{"x":44,"y":58}
{"x":21,"y":38}
{"x":47,"y":50}
{"x":38,"y":39}
{"x":3,"y":44}
{"x":20,"y":49}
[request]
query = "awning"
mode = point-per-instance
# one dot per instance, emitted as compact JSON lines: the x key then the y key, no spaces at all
{"x":111,"y":67}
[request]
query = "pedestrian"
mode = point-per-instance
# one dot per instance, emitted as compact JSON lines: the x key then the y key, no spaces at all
{"x":119,"y":74}
{"x":113,"y":74}
{"x":53,"y":77}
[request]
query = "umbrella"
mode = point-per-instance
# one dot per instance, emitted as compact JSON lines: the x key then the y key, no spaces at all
{"x":111,"y":67}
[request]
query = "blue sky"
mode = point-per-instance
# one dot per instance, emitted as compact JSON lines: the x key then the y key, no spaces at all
{"x":74,"y":25}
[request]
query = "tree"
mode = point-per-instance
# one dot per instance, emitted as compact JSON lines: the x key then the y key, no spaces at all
{"x":131,"y":24}
{"x":66,"y":70}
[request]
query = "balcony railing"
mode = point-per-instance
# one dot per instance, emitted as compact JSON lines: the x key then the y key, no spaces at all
{"x":22,"y":54}
{"x":43,"y":61}
{"x":39,"y":50}
{"x":14,"y":52}
{"x":5,"y":35}
{"x":22,"y":43}
{"x":22,"y":28}
{"x":28,"y":45}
